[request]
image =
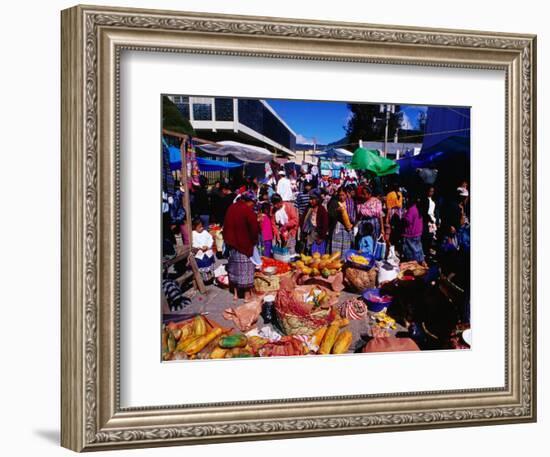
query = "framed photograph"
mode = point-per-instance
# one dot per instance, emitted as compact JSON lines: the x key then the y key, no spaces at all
{"x":277,"y":228}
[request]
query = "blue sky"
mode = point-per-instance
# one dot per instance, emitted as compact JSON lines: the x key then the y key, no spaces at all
{"x":324,"y":121}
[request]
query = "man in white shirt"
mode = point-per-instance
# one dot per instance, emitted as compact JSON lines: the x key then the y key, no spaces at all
{"x":284,"y":187}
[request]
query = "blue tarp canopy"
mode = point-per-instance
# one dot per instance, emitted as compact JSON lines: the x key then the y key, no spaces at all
{"x":451,"y":157}
{"x":204,"y":164}
{"x":443,"y":122}
{"x":446,"y":147}
{"x":216,"y":165}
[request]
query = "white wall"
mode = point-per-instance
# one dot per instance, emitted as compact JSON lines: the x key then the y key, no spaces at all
{"x":29,"y":241}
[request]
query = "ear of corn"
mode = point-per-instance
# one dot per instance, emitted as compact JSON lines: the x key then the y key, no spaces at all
{"x":343,"y":342}
{"x":202,"y":341}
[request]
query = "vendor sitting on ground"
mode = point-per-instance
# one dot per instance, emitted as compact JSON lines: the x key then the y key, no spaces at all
{"x":202,"y":247}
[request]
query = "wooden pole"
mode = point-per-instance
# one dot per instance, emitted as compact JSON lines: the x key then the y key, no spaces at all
{"x":192,"y":262}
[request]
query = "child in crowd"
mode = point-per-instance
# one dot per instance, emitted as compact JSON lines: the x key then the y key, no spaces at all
{"x":366,"y":243}
{"x":266,"y":229}
{"x":450,"y":241}
{"x":202,"y":247}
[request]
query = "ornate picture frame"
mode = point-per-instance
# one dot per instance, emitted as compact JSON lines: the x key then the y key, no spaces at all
{"x":92,"y":41}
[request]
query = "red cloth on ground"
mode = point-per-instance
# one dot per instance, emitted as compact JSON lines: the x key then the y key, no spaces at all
{"x":241,"y":228}
{"x":390,"y":344}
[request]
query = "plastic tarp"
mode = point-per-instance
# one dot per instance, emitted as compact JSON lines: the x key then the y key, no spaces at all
{"x":204,"y":164}
{"x":443,"y":122}
{"x":216,"y":165}
{"x":451,"y":157}
{"x":368,"y":159}
{"x":243,"y":152}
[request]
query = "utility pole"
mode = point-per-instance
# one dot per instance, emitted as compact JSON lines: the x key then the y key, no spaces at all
{"x":388,"y":109}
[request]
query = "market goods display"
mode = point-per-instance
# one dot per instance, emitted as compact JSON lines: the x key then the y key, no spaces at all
{"x":333,"y":339}
{"x":233,"y":341}
{"x":281,"y":268}
{"x":301,"y":310}
{"x":358,"y":279}
{"x":384,"y":321}
{"x":266,"y":283}
{"x":187,"y":339}
{"x":286,"y":346}
{"x":318,"y":265}
{"x":376,"y":302}
{"x":354,"y":309}
{"x":410,"y":271}
{"x":358,"y":259}
{"x":246,"y":315}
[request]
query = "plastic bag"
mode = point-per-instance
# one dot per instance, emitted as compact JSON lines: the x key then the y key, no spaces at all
{"x":392,"y":257}
{"x":387,"y":272}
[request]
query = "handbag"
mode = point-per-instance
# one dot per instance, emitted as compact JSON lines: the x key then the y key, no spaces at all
{"x":379,"y":249}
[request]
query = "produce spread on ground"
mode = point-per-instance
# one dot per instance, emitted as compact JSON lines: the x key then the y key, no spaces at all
{"x":316,"y":305}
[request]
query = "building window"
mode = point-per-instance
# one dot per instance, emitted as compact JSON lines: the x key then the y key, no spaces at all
{"x":202,"y":108}
{"x":224,"y":109}
{"x":182,"y":104}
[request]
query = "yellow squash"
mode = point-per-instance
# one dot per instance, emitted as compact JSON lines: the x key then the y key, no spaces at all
{"x":343,"y":342}
{"x":330,"y":337}
{"x":184,"y":344}
{"x":218,"y":353}
{"x":319,"y":334}
{"x":199,"y":326}
{"x":202,"y":341}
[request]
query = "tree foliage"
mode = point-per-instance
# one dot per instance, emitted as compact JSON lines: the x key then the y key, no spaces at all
{"x":368,"y":123}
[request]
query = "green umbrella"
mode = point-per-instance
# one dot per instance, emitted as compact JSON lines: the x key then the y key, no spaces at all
{"x":173,"y":120}
{"x":368,"y":159}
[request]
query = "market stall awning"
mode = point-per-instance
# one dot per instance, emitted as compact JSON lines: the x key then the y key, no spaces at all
{"x":216,"y":165}
{"x":368,"y":159}
{"x":204,"y":164}
{"x":335,"y":154}
{"x":241,"y":151}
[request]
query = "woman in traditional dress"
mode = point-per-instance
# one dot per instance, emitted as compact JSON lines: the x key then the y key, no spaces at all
{"x":340,"y":224}
{"x":286,"y":222}
{"x":370,"y":211}
{"x":315,"y":226}
{"x":240,"y":232}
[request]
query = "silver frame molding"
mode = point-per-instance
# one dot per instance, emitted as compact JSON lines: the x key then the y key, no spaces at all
{"x":92,"y":41}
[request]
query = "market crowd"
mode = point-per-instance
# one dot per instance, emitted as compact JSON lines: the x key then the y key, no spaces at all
{"x":288,"y":213}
